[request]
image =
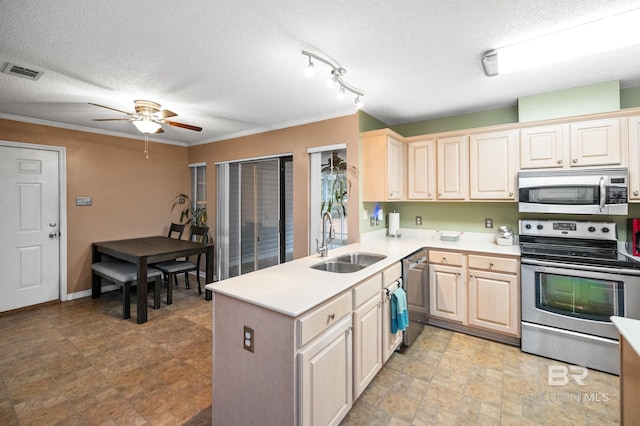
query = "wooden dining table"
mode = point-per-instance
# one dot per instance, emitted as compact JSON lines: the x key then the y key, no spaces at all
{"x":143,"y":252}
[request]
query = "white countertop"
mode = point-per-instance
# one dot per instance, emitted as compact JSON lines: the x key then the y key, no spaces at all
{"x":293,"y":288}
{"x":630,"y":330}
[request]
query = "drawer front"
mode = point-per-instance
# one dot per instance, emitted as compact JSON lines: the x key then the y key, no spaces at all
{"x":366,"y":290}
{"x":323,"y":317}
{"x":391,"y":274}
{"x":502,"y":264}
{"x":445,"y":257}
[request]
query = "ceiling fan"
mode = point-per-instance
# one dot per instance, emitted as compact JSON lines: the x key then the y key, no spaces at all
{"x":148,"y":117}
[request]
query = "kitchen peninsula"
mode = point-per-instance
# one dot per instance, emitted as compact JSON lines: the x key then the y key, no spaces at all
{"x":283,"y":336}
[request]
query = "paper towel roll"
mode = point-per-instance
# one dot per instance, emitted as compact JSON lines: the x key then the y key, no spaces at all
{"x":394,"y":224}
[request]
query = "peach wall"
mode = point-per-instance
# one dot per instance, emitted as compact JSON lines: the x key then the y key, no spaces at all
{"x":132,"y":196}
{"x":294,"y":140}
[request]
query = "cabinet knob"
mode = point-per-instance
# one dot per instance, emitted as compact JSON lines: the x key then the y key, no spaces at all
{"x":575,"y":160}
{"x":511,"y":194}
{"x":439,"y":194}
{"x":444,"y":260}
{"x":429,"y":195}
{"x":559,"y":161}
{"x":636,"y":192}
{"x":490,"y":265}
{"x":331,"y":316}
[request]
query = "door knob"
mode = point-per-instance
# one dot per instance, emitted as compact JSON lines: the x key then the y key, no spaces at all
{"x":53,"y":224}
{"x":53,"y":234}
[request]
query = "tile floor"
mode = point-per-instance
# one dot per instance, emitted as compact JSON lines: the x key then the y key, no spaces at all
{"x":75,"y":363}
{"x":448,"y":378}
{"x":80,"y":363}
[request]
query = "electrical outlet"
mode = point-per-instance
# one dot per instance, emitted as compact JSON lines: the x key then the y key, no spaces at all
{"x":248,"y":338}
{"x":419,"y":220}
{"x":181,"y":200}
{"x":488,"y":222}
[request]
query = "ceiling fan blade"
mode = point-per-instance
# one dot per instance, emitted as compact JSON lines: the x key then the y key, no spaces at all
{"x":165,"y":113}
{"x":113,"y":109}
{"x":160,"y":130}
{"x":113,"y":119}
{"x":182,"y":125}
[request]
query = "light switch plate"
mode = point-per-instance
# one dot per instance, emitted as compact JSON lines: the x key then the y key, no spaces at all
{"x":84,"y":201}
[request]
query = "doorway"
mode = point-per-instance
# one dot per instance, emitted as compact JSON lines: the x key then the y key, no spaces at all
{"x":254,"y":220}
{"x":33,"y":225}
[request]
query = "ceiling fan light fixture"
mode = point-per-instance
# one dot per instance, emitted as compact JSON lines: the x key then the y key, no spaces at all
{"x":146,"y":125}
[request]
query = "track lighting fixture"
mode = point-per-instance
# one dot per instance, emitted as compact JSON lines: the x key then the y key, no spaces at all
{"x":335,"y":80}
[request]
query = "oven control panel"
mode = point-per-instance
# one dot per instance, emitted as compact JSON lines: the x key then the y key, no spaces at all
{"x":569,"y":229}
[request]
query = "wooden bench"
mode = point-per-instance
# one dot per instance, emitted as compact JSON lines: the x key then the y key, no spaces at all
{"x":125,"y":275}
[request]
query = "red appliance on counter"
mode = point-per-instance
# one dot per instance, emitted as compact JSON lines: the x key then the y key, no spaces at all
{"x":633,"y":236}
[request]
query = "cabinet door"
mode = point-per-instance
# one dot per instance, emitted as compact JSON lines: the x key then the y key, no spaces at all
{"x":421,"y":170}
{"x":541,"y":147}
{"x":447,"y":299}
{"x":596,"y":143}
{"x":325,"y":376}
{"x":390,"y":341}
{"x":452,"y":168}
{"x":367,"y":343}
{"x":634,"y":158}
{"x":492,"y":165}
{"x":395,"y":169}
{"x":494,"y":303}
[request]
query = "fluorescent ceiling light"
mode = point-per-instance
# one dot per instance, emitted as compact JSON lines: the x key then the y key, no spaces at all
{"x":610,"y":33}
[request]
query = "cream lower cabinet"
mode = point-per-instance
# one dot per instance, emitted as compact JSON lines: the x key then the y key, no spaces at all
{"x":494,"y":299}
{"x":325,"y":363}
{"x":391,"y":279}
{"x":447,"y":295}
{"x":367,"y":333}
{"x":475,"y":291}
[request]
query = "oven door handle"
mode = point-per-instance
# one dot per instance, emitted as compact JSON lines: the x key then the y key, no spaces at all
{"x":619,"y":271}
{"x":603,"y":194}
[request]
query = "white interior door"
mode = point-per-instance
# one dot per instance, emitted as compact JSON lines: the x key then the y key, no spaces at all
{"x":29,"y":225}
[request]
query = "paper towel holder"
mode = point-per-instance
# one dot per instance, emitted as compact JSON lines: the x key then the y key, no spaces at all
{"x":397,"y":233}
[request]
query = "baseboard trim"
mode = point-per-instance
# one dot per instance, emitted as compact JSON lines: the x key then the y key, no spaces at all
{"x":87,"y":293}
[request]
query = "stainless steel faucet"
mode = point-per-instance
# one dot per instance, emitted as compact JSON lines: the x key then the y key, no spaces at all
{"x":323,"y":249}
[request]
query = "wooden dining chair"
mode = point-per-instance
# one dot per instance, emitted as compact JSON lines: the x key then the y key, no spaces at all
{"x":176,"y":230}
{"x":172,"y":268}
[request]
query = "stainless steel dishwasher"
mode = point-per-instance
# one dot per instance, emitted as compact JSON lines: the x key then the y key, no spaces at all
{"x":415,"y":275}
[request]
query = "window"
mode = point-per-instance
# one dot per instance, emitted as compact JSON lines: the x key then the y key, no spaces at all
{"x":199,"y":189}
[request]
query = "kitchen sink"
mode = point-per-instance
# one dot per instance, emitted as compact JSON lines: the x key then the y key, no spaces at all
{"x":364,"y":259}
{"x":340,"y":267}
{"x":350,"y":262}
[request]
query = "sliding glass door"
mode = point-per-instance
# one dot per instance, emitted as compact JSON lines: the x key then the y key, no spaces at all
{"x":255,"y":217}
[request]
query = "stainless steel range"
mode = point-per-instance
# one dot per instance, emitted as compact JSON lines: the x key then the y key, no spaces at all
{"x":573,"y":279}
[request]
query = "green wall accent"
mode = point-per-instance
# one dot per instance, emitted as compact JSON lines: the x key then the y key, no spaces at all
{"x":630,"y":98}
{"x":592,"y":99}
{"x":458,"y":122}
{"x":469,"y":216}
{"x":367,"y":122}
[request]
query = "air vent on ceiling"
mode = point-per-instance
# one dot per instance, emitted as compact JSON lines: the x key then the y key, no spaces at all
{"x":13,"y":69}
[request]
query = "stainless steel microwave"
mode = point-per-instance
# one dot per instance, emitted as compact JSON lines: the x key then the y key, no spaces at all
{"x":589,"y":191}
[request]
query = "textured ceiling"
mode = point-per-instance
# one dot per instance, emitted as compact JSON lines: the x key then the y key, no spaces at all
{"x":235,"y":67}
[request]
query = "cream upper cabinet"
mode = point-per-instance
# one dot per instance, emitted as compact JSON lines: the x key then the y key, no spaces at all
{"x":493,"y":165}
{"x":579,"y":144}
{"x":494,"y":297}
{"x":452,"y":172}
{"x":541,"y":147}
{"x":421,"y":170}
{"x":634,"y":158}
{"x":383,"y":173}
